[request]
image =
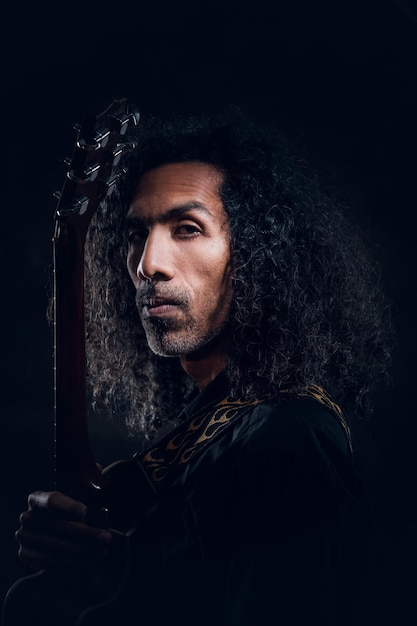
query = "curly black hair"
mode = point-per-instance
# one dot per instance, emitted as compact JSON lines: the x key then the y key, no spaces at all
{"x":307,"y":309}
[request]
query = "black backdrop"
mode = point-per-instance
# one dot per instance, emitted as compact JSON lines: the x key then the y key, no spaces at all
{"x":342,"y":74}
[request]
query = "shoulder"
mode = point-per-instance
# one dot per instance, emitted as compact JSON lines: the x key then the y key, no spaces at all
{"x":298,"y":434}
{"x":294,"y":422}
{"x":285,"y":465}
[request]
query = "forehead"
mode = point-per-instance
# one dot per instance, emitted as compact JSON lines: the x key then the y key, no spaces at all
{"x":175,"y":185}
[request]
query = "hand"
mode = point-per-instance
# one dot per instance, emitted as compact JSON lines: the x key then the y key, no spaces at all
{"x":54,"y":534}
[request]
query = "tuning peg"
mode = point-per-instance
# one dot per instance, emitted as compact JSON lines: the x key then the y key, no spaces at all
{"x":79,"y":206}
{"x":122,"y":122}
{"x":116,"y":153}
{"x":111,"y":182}
{"x":120,"y":149}
{"x":101,"y":136}
{"x":91,"y":172}
{"x":87,"y":175}
{"x":98,"y":140}
{"x":67,"y":161}
{"x":135,"y":117}
{"x":57,"y":195}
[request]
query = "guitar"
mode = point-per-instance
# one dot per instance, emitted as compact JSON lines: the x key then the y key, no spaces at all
{"x":91,"y":176}
{"x":93,"y":172}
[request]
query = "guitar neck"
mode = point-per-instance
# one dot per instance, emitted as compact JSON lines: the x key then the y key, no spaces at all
{"x":75,"y":469}
{"x":92,"y":174}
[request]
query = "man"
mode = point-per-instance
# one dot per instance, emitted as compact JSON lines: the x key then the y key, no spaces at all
{"x":256,"y":299}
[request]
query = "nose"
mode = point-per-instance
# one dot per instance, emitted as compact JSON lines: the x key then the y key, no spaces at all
{"x":156,"y":262}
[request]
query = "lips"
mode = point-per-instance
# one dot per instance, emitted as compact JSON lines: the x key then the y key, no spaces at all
{"x":158,"y":306}
{"x":156,"y":302}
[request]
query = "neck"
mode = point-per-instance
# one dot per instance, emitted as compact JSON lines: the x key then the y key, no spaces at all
{"x":204,"y":368}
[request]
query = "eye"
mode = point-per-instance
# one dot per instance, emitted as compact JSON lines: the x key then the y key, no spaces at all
{"x":187,"y":230}
{"x":136,"y":235}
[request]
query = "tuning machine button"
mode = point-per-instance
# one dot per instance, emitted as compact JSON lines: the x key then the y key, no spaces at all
{"x":88,"y":175}
{"x":111,"y":182}
{"x":121,"y":122}
{"x":98,"y":140}
{"x":78,"y":206}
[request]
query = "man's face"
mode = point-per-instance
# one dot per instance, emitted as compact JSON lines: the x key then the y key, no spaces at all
{"x":179,"y":258}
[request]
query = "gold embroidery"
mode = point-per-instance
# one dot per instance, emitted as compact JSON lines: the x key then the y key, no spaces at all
{"x":319,"y":394}
{"x":201,"y":429}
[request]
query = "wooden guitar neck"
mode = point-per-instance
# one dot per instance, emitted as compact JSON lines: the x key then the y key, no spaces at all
{"x":92,"y":173}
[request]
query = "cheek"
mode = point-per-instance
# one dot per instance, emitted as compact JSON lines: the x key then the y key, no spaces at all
{"x":219,"y":274}
{"x":224,"y":264}
{"x":132,"y":264}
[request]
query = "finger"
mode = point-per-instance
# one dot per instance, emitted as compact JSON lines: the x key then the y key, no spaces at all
{"x":58,"y":545}
{"x":45,"y":525}
{"x":57,"y":503}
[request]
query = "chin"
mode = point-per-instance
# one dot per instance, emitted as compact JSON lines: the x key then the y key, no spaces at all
{"x":167,"y":341}
{"x":188,"y":347}
{"x":163,"y":346}
{"x":170,"y":344}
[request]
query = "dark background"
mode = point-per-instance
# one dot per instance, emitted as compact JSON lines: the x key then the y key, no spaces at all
{"x":342,"y":74}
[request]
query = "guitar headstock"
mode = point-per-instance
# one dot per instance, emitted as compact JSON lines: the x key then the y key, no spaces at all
{"x":94,"y":167}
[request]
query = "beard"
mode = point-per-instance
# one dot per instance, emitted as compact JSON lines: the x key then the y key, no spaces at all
{"x":173,"y":336}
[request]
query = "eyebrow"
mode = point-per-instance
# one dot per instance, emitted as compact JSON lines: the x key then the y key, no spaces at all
{"x":168,"y":215}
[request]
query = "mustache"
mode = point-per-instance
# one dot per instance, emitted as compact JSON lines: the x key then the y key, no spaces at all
{"x":149,"y":296}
